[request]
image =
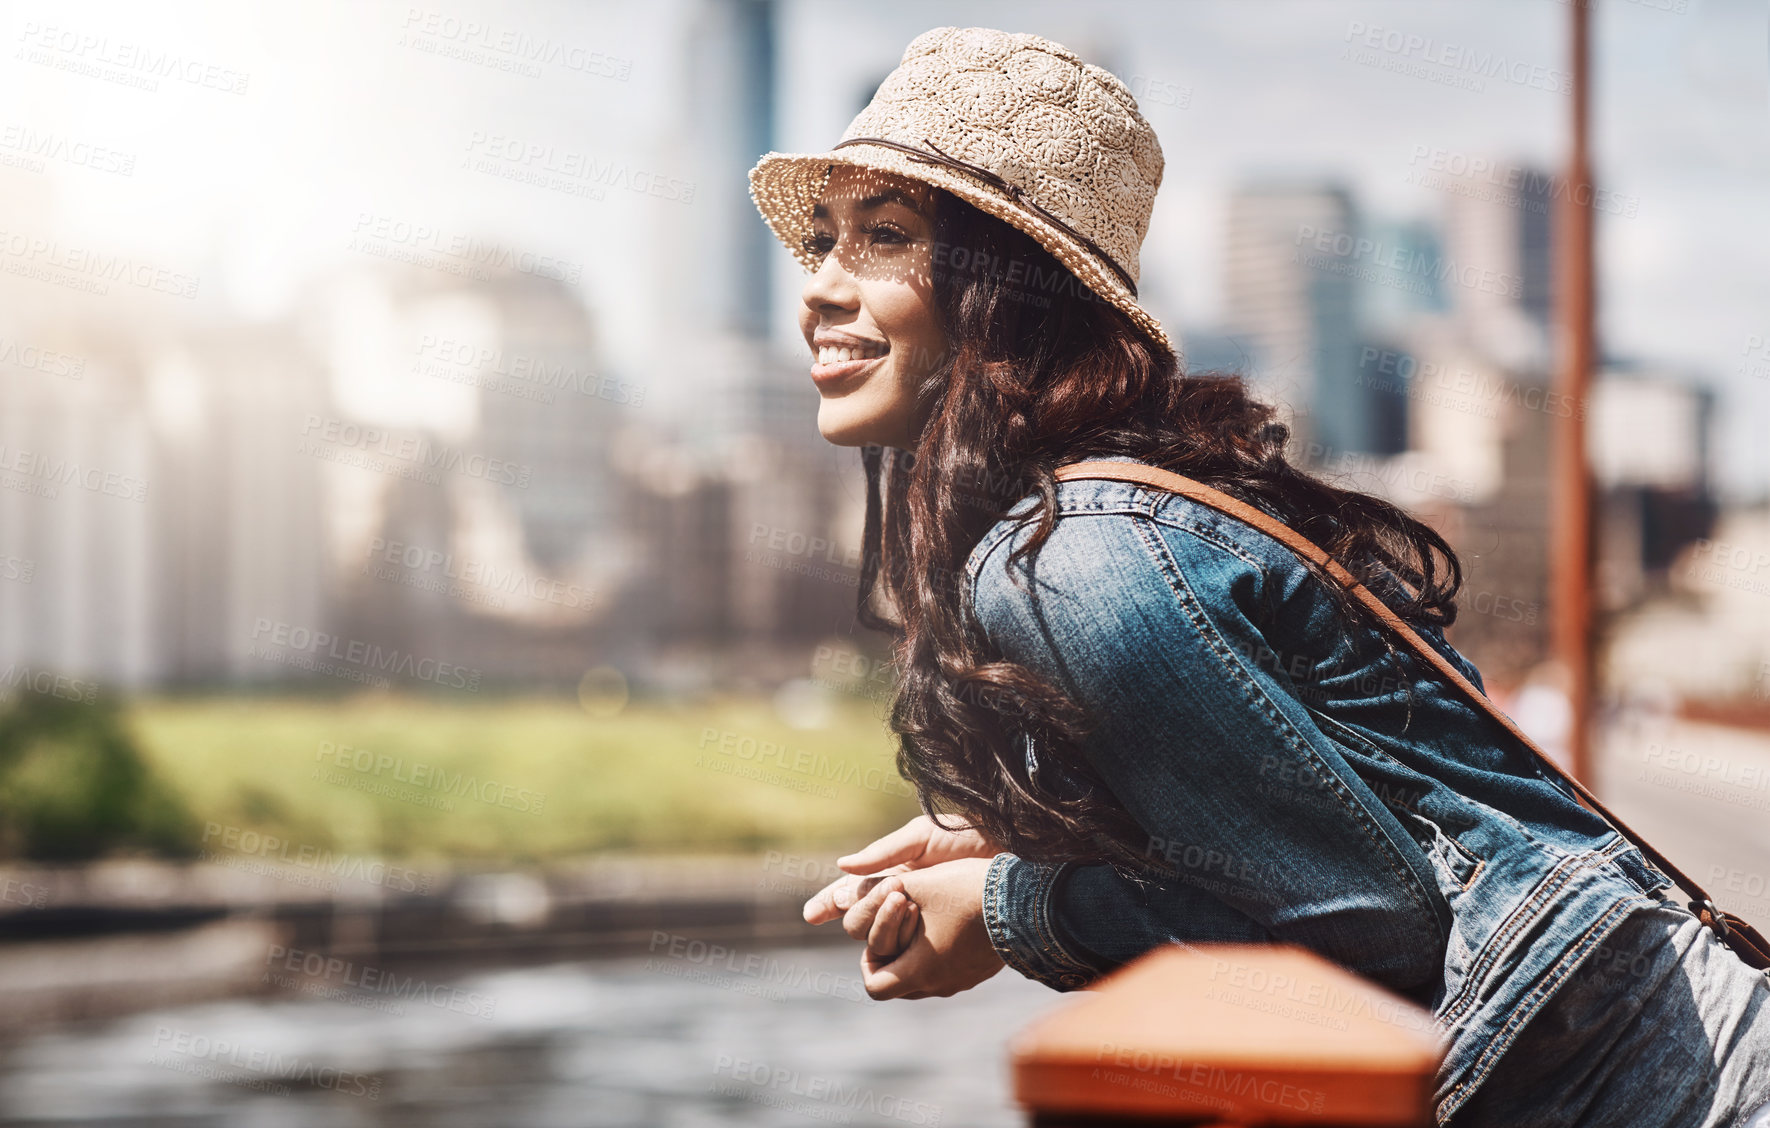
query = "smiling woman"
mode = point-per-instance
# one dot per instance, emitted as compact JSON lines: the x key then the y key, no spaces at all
{"x":868,"y":312}
{"x":1157,"y":723}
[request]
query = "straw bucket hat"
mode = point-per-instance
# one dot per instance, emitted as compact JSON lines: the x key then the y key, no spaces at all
{"x":1015,"y":124}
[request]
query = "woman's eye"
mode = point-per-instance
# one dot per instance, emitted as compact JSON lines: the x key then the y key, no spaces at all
{"x":883,"y":233}
{"x":820,"y":243}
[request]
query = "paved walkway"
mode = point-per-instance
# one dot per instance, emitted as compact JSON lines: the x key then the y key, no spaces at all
{"x":1701,"y":794}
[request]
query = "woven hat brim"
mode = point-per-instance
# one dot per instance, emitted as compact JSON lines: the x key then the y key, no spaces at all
{"x":786,"y":186}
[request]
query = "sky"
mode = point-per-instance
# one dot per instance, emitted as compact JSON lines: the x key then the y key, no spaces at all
{"x":309,"y":126}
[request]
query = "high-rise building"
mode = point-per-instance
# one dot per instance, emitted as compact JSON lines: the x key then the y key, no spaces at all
{"x":1292,"y":258}
{"x":1499,"y":253}
{"x":160,"y":502}
{"x":77,"y":505}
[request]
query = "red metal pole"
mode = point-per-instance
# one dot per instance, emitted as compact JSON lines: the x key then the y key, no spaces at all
{"x":1571,"y":530}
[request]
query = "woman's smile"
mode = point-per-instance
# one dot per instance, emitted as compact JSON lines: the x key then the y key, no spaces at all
{"x":839,"y":356}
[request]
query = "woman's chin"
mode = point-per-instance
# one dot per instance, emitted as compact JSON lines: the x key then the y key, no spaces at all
{"x":848,"y":428}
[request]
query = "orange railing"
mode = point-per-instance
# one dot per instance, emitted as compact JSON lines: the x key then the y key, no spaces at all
{"x":1228,"y":1035}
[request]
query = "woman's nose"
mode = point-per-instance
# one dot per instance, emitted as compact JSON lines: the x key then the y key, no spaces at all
{"x":831,"y":285}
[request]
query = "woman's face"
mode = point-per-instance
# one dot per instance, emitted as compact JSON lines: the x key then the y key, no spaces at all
{"x":873,"y":296}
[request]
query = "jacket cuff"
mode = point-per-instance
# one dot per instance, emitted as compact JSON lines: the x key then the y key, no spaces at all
{"x":1017,"y":914}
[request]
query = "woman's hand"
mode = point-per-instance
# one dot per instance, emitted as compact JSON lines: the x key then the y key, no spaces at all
{"x":926,"y":935}
{"x":917,"y":844}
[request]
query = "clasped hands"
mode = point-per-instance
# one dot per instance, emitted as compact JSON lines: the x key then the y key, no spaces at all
{"x":915,"y":897}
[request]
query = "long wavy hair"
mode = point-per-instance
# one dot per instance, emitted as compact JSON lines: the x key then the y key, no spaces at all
{"x":1039,"y":371}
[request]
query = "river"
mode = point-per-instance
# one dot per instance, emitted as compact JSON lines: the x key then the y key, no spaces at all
{"x":685,"y":1037}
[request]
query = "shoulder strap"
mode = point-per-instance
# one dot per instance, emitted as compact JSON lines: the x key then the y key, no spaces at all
{"x":1161,"y":479}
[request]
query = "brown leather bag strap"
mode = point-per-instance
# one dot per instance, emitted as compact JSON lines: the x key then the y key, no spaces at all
{"x":1158,"y":478}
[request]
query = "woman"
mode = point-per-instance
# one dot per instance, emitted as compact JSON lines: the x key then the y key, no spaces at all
{"x":1153,"y":722}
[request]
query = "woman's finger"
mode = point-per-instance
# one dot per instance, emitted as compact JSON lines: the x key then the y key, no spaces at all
{"x":887,"y":926}
{"x":831,"y":901}
{"x":841,"y":894}
{"x":901,"y":847}
{"x":858,"y":921}
{"x":908,"y":973}
{"x":912,"y":913}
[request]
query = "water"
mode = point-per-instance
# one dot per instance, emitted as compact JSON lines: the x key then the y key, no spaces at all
{"x":777,"y":1037}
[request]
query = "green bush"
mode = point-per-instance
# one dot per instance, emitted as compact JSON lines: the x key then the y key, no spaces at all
{"x":73,"y":784}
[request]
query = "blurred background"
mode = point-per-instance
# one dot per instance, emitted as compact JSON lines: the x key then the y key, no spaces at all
{"x":429,"y":682}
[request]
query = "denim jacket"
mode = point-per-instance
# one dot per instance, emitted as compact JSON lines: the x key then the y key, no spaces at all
{"x":1306,"y":783}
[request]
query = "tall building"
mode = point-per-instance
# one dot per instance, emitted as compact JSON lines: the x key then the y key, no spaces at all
{"x":1292,"y":257}
{"x":238,"y":511}
{"x":482,"y":525}
{"x":159,"y":501}
{"x":78,"y":498}
{"x":1499,"y":250}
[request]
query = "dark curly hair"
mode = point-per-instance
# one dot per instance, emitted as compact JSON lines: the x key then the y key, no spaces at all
{"x":1040,"y":371}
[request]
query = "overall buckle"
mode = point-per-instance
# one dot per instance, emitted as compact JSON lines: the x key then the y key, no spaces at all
{"x":1713,"y":919}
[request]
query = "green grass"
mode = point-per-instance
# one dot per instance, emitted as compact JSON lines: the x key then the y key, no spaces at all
{"x":647,"y":779}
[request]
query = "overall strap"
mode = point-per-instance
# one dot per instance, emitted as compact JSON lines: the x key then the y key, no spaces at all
{"x":1725,"y":925}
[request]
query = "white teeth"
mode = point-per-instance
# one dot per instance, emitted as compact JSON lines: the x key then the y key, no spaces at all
{"x":831,"y":355}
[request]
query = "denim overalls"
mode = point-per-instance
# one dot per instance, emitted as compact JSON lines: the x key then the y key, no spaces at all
{"x":1307,"y":783}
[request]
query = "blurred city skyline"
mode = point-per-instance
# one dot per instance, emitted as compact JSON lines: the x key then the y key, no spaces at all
{"x":318,"y":124}
{"x":419,"y":557}
{"x":447,"y":342}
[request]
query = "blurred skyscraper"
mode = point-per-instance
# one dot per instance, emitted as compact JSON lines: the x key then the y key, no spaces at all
{"x":1290,"y":292}
{"x":1498,"y":235}
{"x":155,"y":499}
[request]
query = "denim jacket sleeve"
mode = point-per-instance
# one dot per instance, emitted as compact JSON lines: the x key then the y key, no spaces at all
{"x":1064,"y":924}
{"x":1149,"y":626}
